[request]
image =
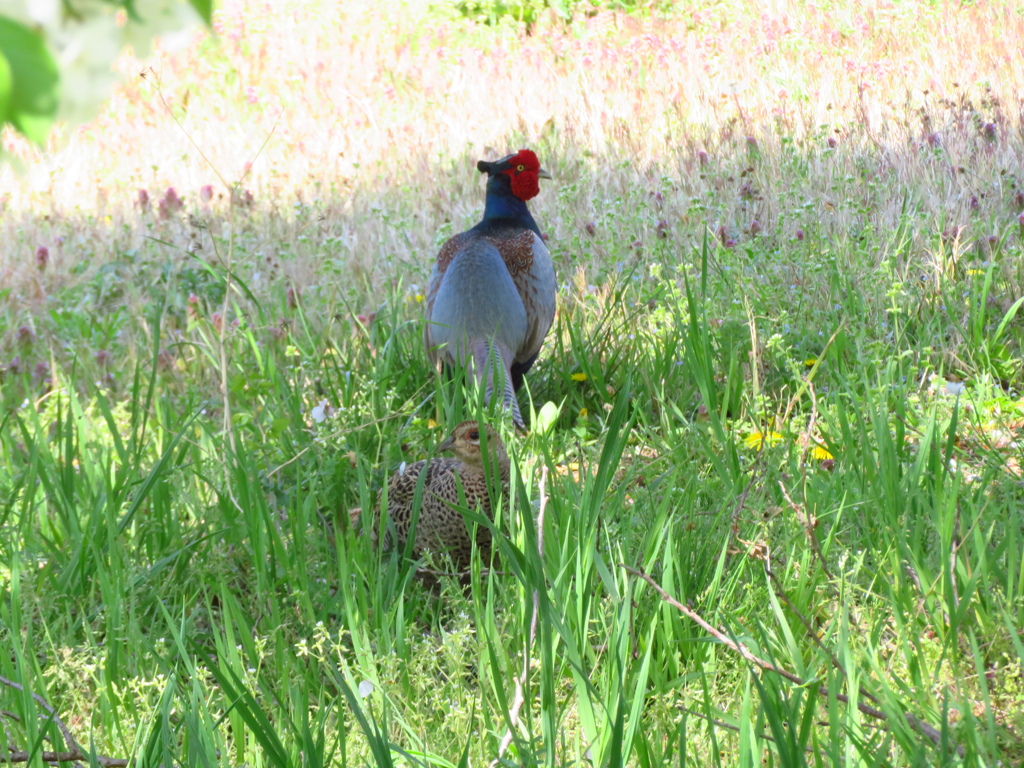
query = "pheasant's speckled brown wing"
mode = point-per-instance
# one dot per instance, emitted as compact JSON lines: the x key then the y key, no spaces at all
{"x":401,"y":493}
{"x":440,"y":527}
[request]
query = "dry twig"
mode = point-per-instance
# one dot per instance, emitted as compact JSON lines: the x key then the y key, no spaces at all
{"x":807,"y":436}
{"x":808,"y":523}
{"x":741,"y":502}
{"x":912,"y":720}
{"x":64,"y":757}
{"x":74,"y":753}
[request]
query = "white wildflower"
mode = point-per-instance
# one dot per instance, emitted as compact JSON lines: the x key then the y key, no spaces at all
{"x":322,"y":411}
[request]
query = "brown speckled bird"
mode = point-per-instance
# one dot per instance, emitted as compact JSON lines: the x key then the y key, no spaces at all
{"x":491,"y":298}
{"x":440,"y":527}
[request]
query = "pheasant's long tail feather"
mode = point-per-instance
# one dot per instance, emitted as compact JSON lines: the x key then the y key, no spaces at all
{"x":490,"y":361}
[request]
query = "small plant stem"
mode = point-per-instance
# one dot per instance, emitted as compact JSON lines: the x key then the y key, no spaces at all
{"x":728,"y":727}
{"x":519,"y":698}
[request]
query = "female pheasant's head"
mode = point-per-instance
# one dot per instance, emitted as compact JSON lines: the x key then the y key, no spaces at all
{"x":465,"y":439}
{"x":523,"y":170}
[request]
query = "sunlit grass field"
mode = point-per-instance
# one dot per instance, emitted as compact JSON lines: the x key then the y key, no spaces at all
{"x":771,"y":510}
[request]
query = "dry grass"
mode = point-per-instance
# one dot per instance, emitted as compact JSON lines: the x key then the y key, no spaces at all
{"x":363,"y":101}
{"x":793,"y":132}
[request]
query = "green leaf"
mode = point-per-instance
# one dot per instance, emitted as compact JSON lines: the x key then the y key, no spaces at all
{"x":33,"y":80}
{"x":546,"y":418}
{"x":204,"y":8}
{"x":241,"y":419}
{"x":6,"y":83}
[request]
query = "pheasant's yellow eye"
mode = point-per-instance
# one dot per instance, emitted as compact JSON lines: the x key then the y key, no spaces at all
{"x":520,"y":168}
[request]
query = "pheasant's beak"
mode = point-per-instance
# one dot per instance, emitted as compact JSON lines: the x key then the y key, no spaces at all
{"x":543,"y":174}
{"x":447,"y":445}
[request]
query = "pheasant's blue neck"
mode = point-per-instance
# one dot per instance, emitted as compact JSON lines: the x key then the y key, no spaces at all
{"x":502,"y":207}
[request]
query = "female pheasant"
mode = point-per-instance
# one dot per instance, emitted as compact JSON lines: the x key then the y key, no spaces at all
{"x":440,"y":526}
{"x":491,"y":298}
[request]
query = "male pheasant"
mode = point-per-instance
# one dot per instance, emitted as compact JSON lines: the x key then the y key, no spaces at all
{"x":440,"y":526}
{"x":491,"y":298}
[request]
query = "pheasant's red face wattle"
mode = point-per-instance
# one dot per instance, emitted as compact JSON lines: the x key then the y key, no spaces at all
{"x":523,"y":170}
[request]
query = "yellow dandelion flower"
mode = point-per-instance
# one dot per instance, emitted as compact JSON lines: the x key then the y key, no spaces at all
{"x":810,"y":362}
{"x":758,"y":439}
{"x":571,"y":468}
{"x":820,"y":454}
{"x":419,"y":298}
{"x":975,"y":271}
{"x":579,"y":377}
{"x":583,"y":412}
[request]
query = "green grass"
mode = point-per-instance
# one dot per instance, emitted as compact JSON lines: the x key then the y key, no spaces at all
{"x":180,"y":571}
{"x":182,"y":582}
